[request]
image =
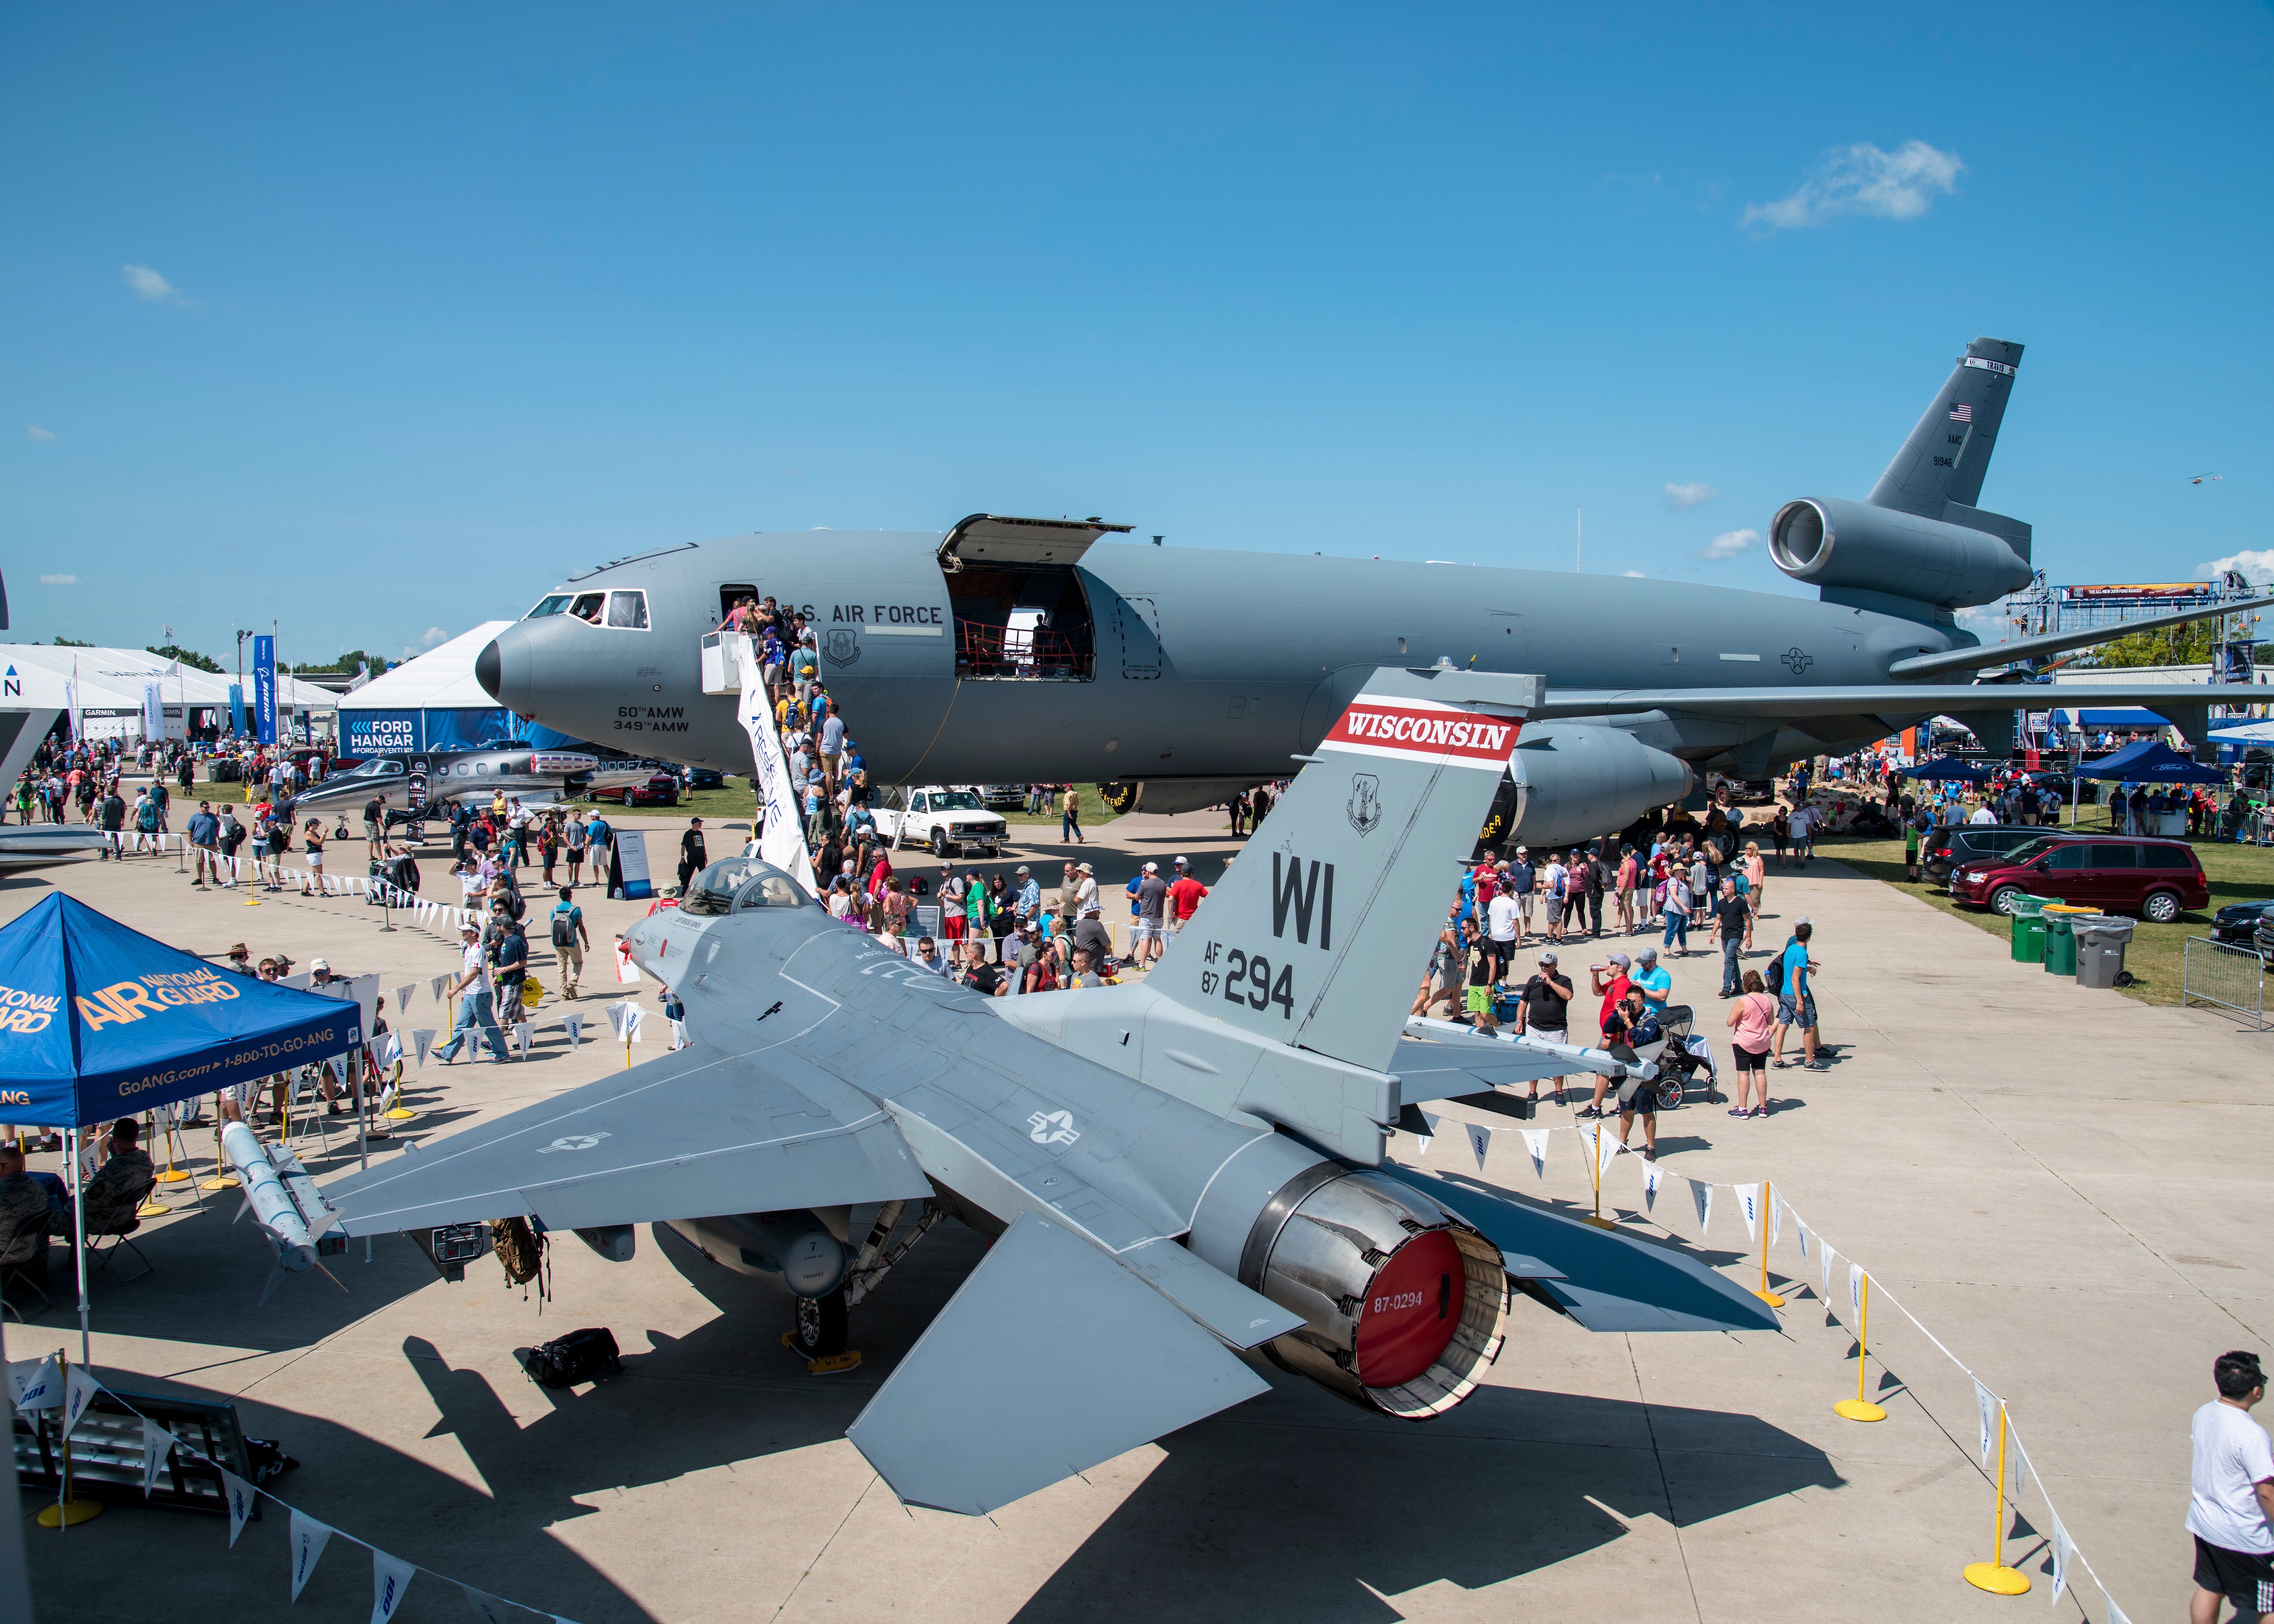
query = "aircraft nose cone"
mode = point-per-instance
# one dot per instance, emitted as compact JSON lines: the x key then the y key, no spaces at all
{"x":489,"y":666}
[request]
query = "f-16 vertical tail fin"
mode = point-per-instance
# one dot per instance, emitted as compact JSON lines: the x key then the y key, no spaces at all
{"x":1319,"y":933}
{"x":1947,"y":453}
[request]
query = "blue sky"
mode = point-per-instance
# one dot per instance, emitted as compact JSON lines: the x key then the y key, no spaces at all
{"x":375,"y":321}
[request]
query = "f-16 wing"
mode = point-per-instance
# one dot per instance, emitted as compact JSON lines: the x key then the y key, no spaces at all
{"x":691,"y":1135}
{"x":1892,"y":699}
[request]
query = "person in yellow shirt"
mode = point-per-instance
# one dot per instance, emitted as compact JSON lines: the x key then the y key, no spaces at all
{"x":1070,"y":817}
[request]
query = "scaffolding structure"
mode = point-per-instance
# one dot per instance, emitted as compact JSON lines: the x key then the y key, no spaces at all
{"x":2044,"y":607}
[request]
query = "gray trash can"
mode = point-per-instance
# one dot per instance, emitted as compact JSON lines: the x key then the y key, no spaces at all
{"x":2100,"y":943}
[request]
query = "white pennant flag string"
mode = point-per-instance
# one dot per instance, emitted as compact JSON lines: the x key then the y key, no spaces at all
{"x":390,"y":1577}
{"x":157,"y":1448}
{"x":239,"y":1495}
{"x":1650,"y":1178}
{"x":422,"y":1038}
{"x":1479,"y":1141}
{"x":1703,"y":1195}
{"x":438,"y":985}
{"x":1749,"y":1204}
{"x":573,"y":1025}
{"x":80,"y":1389}
{"x":2017,"y":1461}
{"x":2064,"y":1547}
{"x":1986,"y":1406}
{"x":308,"y":1538}
{"x":1824,"y":1291}
{"x":34,"y":1384}
{"x":521,"y":1037}
{"x":403,"y":996}
{"x":1608,"y":1147}
{"x":1427,"y":1136}
{"x":1535,"y":1143}
{"x":1800,"y":1233}
{"x":1776,"y":1218}
{"x":2108,"y":1603}
{"x":1854,"y":1288}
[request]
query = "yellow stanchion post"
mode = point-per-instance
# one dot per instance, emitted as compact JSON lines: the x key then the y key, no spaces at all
{"x":173,"y":1175}
{"x":152,"y":1206}
{"x":1859,"y":1408}
{"x":222,"y":1179}
{"x":67,"y":1512}
{"x":1768,"y":1198}
{"x":1595,"y":1172}
{"x":1994,"y":1575}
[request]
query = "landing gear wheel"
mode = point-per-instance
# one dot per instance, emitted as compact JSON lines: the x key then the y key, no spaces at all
{"x":820,"y":1334}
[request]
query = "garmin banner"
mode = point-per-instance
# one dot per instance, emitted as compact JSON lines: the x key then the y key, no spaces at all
{"x":264,"y":688}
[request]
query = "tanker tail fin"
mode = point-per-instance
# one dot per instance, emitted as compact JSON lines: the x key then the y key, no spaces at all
{"x":1949,"y":452}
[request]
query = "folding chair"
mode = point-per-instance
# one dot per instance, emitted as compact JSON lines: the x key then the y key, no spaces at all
{"x":118,"y":1229}
{"x":24,"y":1243}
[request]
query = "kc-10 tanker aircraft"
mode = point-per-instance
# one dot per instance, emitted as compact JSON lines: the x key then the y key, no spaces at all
{"x":1026,"y":651}
{"x":1175,"y":1172}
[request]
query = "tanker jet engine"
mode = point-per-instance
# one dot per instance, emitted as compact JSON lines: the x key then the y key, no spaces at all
{"x":1175,"y":1172}
{"x":1018,"y":650}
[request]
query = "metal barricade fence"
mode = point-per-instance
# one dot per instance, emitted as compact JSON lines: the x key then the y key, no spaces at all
{"x":2230,"y":978}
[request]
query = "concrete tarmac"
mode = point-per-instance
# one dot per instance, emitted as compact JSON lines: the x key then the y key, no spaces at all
{"x":2065,"y":1186}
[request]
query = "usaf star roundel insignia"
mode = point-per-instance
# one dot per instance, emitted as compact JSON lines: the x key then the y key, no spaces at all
{"x":1365,"y":804}
{"x":1798,"y":660}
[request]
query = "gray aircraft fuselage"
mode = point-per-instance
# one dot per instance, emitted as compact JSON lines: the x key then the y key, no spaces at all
{"x":1208,"y":665}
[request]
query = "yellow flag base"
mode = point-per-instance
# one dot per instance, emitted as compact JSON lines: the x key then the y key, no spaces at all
{"x":400,"y":1114}
{"x":220,"y":1181}
{"x":1997,"y":1578}
{"x":153,"y":1209}
{"x":1771,"y":1299}
{"x":173,"y":1176}
{"x":1858,"y":1410}
{"x":70,"y":1513}
{"x":1600,"y":1223}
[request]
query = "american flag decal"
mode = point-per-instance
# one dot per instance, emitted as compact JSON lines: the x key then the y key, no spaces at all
{"x":1962,"y":414}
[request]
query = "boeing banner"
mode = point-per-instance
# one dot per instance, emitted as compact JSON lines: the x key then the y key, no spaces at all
{"x":264,"y":687}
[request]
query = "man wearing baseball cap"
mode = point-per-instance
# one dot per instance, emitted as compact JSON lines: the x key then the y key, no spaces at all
{"x":1145,"y":936}
{"x":473,"y":992}
{"x":1546,"y":1015}
{"x":1185,"y":894}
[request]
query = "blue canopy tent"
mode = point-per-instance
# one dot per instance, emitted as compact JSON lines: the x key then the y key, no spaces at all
{"x":2150,"y":761}
{"x":1948,"y":767}
{"x":2109,"y":719}
{"x":97,"y":1021}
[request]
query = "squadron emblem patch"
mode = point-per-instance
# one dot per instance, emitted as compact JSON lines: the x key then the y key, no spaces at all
{"x":1365,"y":804}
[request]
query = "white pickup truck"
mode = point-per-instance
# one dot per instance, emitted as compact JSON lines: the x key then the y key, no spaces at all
{"x":943,"y":818}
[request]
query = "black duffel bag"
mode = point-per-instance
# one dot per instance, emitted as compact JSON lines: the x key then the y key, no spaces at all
{"x":584,"y":1355}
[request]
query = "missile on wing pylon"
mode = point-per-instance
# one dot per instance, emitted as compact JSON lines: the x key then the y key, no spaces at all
{"x":282,"y":1210}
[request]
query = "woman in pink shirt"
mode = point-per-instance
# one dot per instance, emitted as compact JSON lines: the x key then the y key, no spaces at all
{"x":1750,"y":1020}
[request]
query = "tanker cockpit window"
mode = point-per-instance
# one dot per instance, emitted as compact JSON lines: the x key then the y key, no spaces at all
{"x":553,"y":603}
{"x":589,"y":605}
{"x":627,"y":611}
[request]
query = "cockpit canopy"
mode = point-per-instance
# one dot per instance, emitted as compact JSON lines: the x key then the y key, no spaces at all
{"x":737,"y":885}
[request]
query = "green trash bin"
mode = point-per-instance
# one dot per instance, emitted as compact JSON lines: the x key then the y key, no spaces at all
{"x":2030,"y":929}
{"x":2060,"y":939}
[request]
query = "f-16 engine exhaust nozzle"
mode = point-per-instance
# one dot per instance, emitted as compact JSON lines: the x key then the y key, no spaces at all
{"x":1405,"y":1304}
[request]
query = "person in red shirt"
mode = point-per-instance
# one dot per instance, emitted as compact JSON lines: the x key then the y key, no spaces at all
{"x":1185,"y":894}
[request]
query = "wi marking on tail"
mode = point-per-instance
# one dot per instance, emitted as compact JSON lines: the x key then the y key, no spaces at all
{"x":1290,"y":889}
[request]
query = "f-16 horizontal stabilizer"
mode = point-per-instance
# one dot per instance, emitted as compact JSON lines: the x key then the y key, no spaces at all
{"x":1310,"y":940}
{"x":1050,"y":1358}
{"x":619,"y":1151}
{"x":1609,"y":1280}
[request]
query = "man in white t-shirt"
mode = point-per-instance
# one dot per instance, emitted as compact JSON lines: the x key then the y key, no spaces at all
{"x":1501,"y":914}
{"x":2233,"y":1495}
{"x":473,"y":990}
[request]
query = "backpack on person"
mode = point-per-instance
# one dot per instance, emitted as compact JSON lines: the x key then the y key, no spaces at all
{"x":564,"y":929}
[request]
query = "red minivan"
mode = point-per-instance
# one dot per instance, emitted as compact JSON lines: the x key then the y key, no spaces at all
{"x":2155,"y":879}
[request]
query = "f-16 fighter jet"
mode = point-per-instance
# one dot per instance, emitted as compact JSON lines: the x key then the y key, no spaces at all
{"x":1176,"y":1174}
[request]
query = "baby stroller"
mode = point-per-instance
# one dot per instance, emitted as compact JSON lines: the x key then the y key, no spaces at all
{"x":400,"y":872}
{"x":1678,"y":1058}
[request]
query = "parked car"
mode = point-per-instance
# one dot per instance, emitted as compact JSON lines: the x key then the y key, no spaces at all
{"x":2155,"y":879}
{"x":2238,"y":923}
{"x":1942,"y":850}
{"x":661,"y":789}
{"x":1002,"y":797}
{"x":2056,"y":785}
{"x":706,"y":777}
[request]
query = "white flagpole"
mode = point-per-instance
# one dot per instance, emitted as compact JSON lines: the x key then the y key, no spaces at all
{"x":79,"y":1242}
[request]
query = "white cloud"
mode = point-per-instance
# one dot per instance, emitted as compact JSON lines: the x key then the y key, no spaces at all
{"x":58,"y":580}
{"x":1683,"y":498}
{"x":2257,"y":568}
{"x":1729,"y":544}
{"x":33,"y":431}
{"x":1632,"y":574}
{"x":1860,"y":179}
{"x":149,"y":285}
{"x":435,"y":635}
